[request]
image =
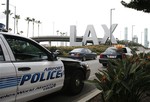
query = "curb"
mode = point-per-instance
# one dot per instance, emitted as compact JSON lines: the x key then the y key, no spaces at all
{"x":89,"y":96}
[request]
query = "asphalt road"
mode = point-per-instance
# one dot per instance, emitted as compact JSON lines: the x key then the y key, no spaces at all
{"x":61,"y":97}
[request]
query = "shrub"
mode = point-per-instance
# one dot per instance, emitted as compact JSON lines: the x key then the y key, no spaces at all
{"x":95,"y":48}
{"x":65,"y":49}
{"x":124,"y":80}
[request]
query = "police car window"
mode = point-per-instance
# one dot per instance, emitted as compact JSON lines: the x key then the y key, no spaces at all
{"x":26,"y":51}
{"x":124,"y":50}
{"x":1,"y":54}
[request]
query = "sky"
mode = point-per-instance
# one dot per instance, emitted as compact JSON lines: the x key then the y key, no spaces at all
{"x":60,"y":14}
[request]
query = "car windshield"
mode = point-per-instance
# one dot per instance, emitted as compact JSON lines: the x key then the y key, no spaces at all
{"x":77,"y":50}
{"x":111,"y":50}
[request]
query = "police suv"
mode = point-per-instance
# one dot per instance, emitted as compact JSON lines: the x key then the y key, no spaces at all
{"x":29,"y":71}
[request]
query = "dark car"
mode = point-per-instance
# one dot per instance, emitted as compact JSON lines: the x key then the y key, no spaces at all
{"x":82,"y":54}
{"x":114,"y":53}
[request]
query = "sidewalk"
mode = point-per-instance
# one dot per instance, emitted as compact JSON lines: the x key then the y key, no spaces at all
{"x":142,"y":50}
{"x":93,"y":96}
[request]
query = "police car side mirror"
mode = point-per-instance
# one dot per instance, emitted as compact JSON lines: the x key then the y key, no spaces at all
{"x":52,"y":57}
{"x":57,"y":52}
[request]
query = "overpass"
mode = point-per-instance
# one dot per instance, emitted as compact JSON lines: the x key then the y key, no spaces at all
{"x":59,"y":38}
{"x":55,"y":38}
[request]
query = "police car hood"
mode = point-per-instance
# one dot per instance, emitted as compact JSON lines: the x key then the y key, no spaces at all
{"x":68,"y":59}
{"x":72,"y":62}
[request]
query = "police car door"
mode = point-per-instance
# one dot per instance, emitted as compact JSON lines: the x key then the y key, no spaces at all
{"x":8,"y":78}
{"x":39,"y":75}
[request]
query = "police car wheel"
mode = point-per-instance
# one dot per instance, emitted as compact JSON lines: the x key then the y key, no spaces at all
{"x":104,"y":64}
{"x":76,"y":82}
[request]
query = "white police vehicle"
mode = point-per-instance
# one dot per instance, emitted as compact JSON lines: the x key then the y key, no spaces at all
{"x":29,"y":71}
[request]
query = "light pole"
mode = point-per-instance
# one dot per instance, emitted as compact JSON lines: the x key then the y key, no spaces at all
{"x":132,"y":32}
{"x":111,"y":24}
{"x":141,"y":37}
{"x":53,"y":27}
{"x":7,"y":14}
{"x":38,"y":22}
{"x":7,"y":11}
{"x":14,"y":15}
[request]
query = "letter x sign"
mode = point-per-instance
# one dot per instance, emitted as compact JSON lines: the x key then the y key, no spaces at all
{"x":107,"y":34}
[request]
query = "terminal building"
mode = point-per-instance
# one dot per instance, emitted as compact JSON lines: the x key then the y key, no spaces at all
{"x":146,"y":42}
{"x":135,"y":39}
{"x":126,"y":33}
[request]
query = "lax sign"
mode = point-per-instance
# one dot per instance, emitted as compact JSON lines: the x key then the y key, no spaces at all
{"x":90,"y":35}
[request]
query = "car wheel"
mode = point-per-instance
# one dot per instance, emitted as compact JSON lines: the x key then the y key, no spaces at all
{"x":76,"y":82}
{"x":104,"y":64}
{"x":95,"y":57}
{"x":83,"y":58}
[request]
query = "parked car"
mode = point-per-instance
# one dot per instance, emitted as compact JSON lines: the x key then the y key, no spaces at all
{"x":114,"y":53}
{"x":82,"y":54}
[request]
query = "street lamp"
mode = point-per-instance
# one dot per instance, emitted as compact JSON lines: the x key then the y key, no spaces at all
{"x":111,"y":24}
{"x":7,"y":14}
{"x":132,"y":32}
{"x":141,"y":37}
{"x":14,"y":15}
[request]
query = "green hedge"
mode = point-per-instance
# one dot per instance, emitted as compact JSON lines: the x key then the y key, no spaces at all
{"x":66,"y":49}
{"x":95,"y":48}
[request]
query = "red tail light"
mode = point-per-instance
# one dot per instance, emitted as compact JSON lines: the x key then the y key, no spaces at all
{"x":123,"y":55}
{"x":101,"y":56}
{"x":77,"y":54}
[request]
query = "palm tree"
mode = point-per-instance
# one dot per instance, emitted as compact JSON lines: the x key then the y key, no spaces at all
{"x":57,"y":35}
{"x":28,"y":20}
{"x":139,"y":5}
{"x":21,"y":32}
{"x":17,"y":17}
{"x":38,"y":22}
{"x":10,"y":13}
{"x":62,"y":34}
{"x":33,"y":21}
{"x":57,"y":32}
{"x":10,"y":29}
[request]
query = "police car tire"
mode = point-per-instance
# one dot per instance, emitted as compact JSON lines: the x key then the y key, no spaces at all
{"x":104,"y":64}
{"x":76,"y":82}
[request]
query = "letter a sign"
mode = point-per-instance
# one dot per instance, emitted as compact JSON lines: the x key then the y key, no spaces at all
{"x":90,"y":31}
